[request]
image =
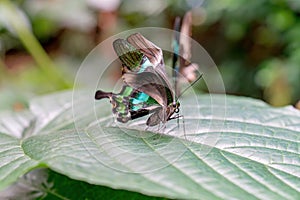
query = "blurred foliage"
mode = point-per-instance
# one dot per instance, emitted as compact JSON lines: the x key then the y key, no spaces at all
{"x":255,"y":44}
{"x":258,"y":44}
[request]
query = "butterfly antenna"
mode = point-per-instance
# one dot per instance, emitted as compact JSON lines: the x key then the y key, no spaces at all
{"x":191,"y":85}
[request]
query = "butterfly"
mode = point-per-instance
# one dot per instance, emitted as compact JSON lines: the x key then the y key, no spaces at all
{"x":146,"y":90}
{"x":184,"y":70}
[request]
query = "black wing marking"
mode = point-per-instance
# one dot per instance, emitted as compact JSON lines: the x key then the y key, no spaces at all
{"x":144,"y":111}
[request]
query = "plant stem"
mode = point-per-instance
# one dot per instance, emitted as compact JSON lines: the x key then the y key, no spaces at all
{"x":32,"y":44}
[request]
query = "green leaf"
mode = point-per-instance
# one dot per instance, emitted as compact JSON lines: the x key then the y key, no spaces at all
{"x":13,"y":161}
{"x":47,"y":184}
{"x":72,"y":189}
{"x":232,"y":148}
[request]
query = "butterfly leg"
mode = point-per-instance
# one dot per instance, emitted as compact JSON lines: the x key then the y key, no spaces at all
{"x":183,"y":121}
{"x":162,"y":127}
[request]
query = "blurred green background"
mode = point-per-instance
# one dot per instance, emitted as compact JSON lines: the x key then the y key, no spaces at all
{"x":255,"y":44}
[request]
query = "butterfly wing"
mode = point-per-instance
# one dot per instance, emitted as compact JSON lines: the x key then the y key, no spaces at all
{"x":185,"y":41}
{"x":156,"y":87}
{"x":130,"y":57}
{"x":188,"y":69}
{"x":138,"y":54}
{"x":182,"y":44}
{"x":151,"y":83}
{"x":151,"y":51}
{"x":133,"y":60}
{"x":119,"y":103}
{"x":129,"y":103}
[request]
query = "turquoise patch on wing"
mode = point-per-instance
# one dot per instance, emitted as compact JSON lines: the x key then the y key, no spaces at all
{"x":140,"y":98}
{"x":145,"y":65}
{"x":139,"y":101}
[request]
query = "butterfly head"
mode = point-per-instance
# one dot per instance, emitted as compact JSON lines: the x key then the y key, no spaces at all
{"x":175,"y":106}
